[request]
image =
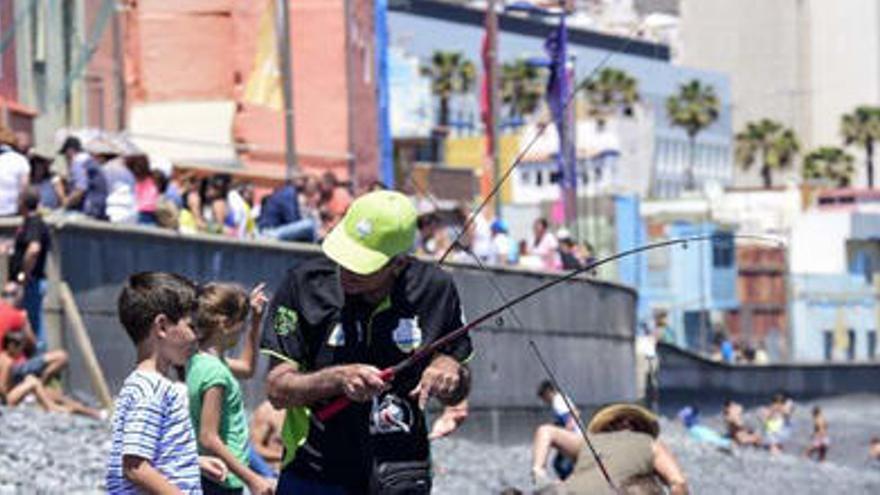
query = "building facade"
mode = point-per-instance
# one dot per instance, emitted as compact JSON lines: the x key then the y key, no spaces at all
{"x":653,"y":154}
{"x":834,"y":317}
{"x":801,"y":62}
{"x":834,"y":259}
{"x":198,"y":81}
{"x":761,"y":318}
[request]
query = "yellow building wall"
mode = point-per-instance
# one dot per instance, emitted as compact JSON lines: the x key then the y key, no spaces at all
{"x":469,"y":152}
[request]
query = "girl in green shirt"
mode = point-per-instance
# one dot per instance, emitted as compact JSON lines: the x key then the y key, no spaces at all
{"x":216,"y":404}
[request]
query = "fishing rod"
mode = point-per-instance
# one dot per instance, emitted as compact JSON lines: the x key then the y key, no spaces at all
{"x":389,"y":373}
{"x":503,"y":298}
{"x":574,"y":414}
{"x":467,"y":249}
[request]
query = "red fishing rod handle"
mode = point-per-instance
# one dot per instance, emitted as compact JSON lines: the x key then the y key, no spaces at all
{"x":340,"y":403}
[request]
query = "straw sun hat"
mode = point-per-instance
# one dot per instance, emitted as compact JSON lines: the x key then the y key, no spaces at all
{"x":642,"y":419}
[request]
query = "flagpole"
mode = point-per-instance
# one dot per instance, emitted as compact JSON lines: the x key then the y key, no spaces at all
{"x":282,"y":32}
{"x":573,"y":144}
{"x":494,"y":100}
{"x":569,"y":171}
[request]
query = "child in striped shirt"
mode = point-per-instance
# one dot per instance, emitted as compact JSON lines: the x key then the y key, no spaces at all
{"x":154,"y":446}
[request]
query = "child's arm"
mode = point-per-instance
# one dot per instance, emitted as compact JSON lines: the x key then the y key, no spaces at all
{"x":140,"y":472}
{"x":246,"y":364}
{"x":209,"y":438}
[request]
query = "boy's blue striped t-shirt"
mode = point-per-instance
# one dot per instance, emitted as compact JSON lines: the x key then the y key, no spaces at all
{"x":152,"y":422}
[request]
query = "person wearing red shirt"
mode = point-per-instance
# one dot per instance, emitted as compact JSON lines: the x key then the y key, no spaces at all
{"x":43,"y":365}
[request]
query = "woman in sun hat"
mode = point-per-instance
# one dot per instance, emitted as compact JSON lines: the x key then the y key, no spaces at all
{"x":626,"y":438}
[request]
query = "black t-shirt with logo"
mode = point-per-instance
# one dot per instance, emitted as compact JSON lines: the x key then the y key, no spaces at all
{"x":313,"y":324}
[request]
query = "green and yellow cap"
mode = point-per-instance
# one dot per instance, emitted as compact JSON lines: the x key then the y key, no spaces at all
{"x":377,"y":227}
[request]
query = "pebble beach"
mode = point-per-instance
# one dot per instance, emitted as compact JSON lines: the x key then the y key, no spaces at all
{"x":55,"y":453}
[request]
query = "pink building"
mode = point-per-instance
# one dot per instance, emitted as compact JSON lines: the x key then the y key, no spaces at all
{"x":192,"y":66}
{"x":13,"y":114}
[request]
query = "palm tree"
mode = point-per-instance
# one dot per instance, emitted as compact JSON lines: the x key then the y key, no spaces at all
{"x":829,"y":163}
{"x":862,"y":127}
{"x":521,"y":88}
{"x":611,"y":92}
{"x":768,"y":140}
{"x":694,"y":108}
{"x":450,"y":74}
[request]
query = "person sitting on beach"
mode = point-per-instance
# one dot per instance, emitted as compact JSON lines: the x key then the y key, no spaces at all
{"x":819,"y":440}
{"x":12,"y":391}
{"x":690,"y":418}
{"x":625,"y":437}
{"x":736,"y":428}
{"x":562,"y":433}
{"x":216,"y":405}
{"x":30,"y":361}
{"x":16,"y":384}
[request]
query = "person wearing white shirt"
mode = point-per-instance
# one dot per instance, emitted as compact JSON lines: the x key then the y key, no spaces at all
{"x":14,"y":172}
{"x":544,"y":245}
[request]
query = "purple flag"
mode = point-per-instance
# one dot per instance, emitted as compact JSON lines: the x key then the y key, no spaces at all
{"x":556,"y":47}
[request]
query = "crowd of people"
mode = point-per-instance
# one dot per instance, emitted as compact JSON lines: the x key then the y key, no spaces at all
{"x":772,"y":428}
{"x":180,"y":421}
{"x":107,"y":179}
{"x":768,"y":428}
{"x":489,"y":243}
{"x":726,"y":351}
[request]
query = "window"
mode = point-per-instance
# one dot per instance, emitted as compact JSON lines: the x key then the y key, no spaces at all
{"x":722,"y":250}
{"x":851,"y":345}
{"x":872,"y":344}
{"x":539,"y":178}
{"x":862,"y":264}
{"x":828,"y":343}
{"x":524,"y":176}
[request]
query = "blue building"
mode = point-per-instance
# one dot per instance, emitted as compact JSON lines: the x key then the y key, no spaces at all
{"x":835,"y":257}
{"x":835,"y":317}
{"x":694,"y":283}
{"x":423,"y":27}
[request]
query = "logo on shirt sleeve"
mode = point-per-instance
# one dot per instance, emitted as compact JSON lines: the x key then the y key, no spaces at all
{"x":408,"y":334}
{"x":286,"y":321}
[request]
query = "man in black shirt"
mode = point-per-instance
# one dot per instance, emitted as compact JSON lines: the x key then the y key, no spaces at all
{"x":333,"y":324}
{"x":27,"y":266}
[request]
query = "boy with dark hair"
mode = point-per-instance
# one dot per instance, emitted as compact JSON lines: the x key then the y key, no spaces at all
{"x":154,"y":446}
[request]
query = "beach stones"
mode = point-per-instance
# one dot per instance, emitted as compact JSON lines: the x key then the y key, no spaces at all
{"x":56,"y":453}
